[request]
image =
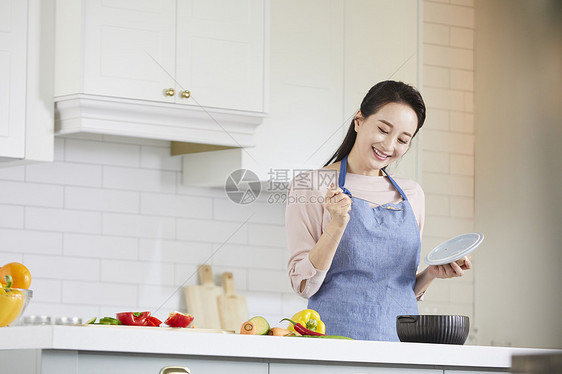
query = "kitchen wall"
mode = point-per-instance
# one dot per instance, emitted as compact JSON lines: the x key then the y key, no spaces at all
{"x":108,"y":226}
{"x":518,"y":164}
{"x":448,"y":144}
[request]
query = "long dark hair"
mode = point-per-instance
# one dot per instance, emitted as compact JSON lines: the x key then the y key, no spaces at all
{"x":382,"y":93}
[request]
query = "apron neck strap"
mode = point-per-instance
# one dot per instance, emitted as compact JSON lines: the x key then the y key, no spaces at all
{"x":341,"y":178}
{"x":343,"y":172}
{"x":395,"y":185}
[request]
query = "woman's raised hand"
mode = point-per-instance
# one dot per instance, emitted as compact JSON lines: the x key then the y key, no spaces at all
{"x":450,"y":270}
{"x":338,"y":204}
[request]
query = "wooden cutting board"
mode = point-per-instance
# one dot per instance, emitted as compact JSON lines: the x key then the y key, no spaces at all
{"x":233,"y":310}
{"x":202,"y":300}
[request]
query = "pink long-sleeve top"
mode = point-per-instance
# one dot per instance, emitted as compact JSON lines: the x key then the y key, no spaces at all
{"x":306,"y":218}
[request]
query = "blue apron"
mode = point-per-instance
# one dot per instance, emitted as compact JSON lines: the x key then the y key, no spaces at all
{"x":373,"y":273}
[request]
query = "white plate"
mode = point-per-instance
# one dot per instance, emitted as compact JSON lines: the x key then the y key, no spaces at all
{"x":454,"y":249}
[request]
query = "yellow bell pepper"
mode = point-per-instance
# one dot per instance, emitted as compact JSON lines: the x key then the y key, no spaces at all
{"x":310,"y":319}
{"x":11,"y":302}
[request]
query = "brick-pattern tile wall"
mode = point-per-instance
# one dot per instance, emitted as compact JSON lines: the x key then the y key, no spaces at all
{"x":109,"y":227}
{"x":448,"y":142}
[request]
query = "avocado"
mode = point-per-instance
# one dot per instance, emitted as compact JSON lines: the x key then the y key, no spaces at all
{"x":262,"y":326}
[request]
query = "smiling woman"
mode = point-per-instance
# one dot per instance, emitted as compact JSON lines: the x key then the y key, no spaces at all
{"x":356,"y":254}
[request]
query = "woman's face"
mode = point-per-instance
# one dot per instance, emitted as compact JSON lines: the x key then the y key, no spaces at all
{"x":383,"y":137}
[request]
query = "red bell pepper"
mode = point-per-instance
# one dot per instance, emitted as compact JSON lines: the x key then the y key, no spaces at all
{"x":133,"y":318}
{"x":177,"y":319}
{"x":153,"y":321}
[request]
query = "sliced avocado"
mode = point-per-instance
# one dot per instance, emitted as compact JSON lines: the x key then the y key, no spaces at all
{"x":262,"y":326}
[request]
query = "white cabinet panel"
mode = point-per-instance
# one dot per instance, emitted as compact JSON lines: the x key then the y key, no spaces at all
{"x":26,"y":87}
{"x":13,"y":42}
{"x":95,"y":363}
{"x":129,"y":49}
{"x":473,"y":372}
{"x":220,"y":50}
{"x":214,"y":49}
{"x":189,"y":63}
{"x":278,"y":368}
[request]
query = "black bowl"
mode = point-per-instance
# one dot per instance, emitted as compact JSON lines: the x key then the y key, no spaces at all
{"x":440,"y":329}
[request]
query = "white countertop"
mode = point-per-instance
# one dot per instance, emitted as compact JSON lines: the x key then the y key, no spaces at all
{"x":190,"y":342}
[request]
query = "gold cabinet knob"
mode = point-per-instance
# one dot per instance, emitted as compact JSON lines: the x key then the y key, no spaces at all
{"x":186,"y":94}
{"x":169,"y":92}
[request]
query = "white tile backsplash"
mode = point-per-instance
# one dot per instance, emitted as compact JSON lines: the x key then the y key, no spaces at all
{"x":95,"y":293}
{"x":449,"y":226}
{"x":448,"y":14}
{"x":63,"y":220}
{"x":268,"y":281}
{"x":174,"y":251}
{"x":11,"y":216}
{"x":246,"y":256}
{"x":101,"y":199}
{"x":16,"y":173}
{"x":437,"y":205}
{"x":186,"y":275}
{"x":30,"y":242}
{"x":64,"y":173}
{"x":259,"y":212}
{"x":159,"y":158}
{"x":62,"y":267}
{"x":120,"y":271}
{"x":267,"y":235}
{"x":159,"y":204}
{"x":138,"y":226}
{"x":132,"y":179}
{"x":31,"y":194}
{"x":102,"y":153}
{"x":436,"y":34}
{"x":212,"y":231}
{"x":448,"y":144}
{"x":169,"y":297}
{"x":448,"y":184}
{"x":6,"y":257}
{"x":462,"y":122}
{"x":47,"y":290}
{"x":462,"y":37}
{"x":98,"y":246}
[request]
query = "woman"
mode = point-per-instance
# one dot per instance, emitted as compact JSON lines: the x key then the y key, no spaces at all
{"x":354,"y":251}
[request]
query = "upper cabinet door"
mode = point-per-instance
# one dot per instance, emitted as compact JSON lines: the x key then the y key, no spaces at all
{"x":13,"y":44}
{"x":129,"y":48}
{"x":156,"y":50}
{"x":127,"y":67}
{"x":220,"y":53}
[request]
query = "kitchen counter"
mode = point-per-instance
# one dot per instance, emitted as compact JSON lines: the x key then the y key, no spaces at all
{"x":189,"y":342}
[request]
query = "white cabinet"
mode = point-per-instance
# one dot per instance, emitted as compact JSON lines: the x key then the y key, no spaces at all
{"x":344,"y":368}
{"x":473,"y":371}
{"x":26,"y":85}
{"x":115,"y":363}
{"x":90,"y":362}
{"x":324,"y":59}
{"x":160,"y":69}
{"x":220,"y":53}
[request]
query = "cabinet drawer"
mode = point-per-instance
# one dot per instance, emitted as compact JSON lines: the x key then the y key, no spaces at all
{"x":123,"y":363}
{"x":279,"y":368}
